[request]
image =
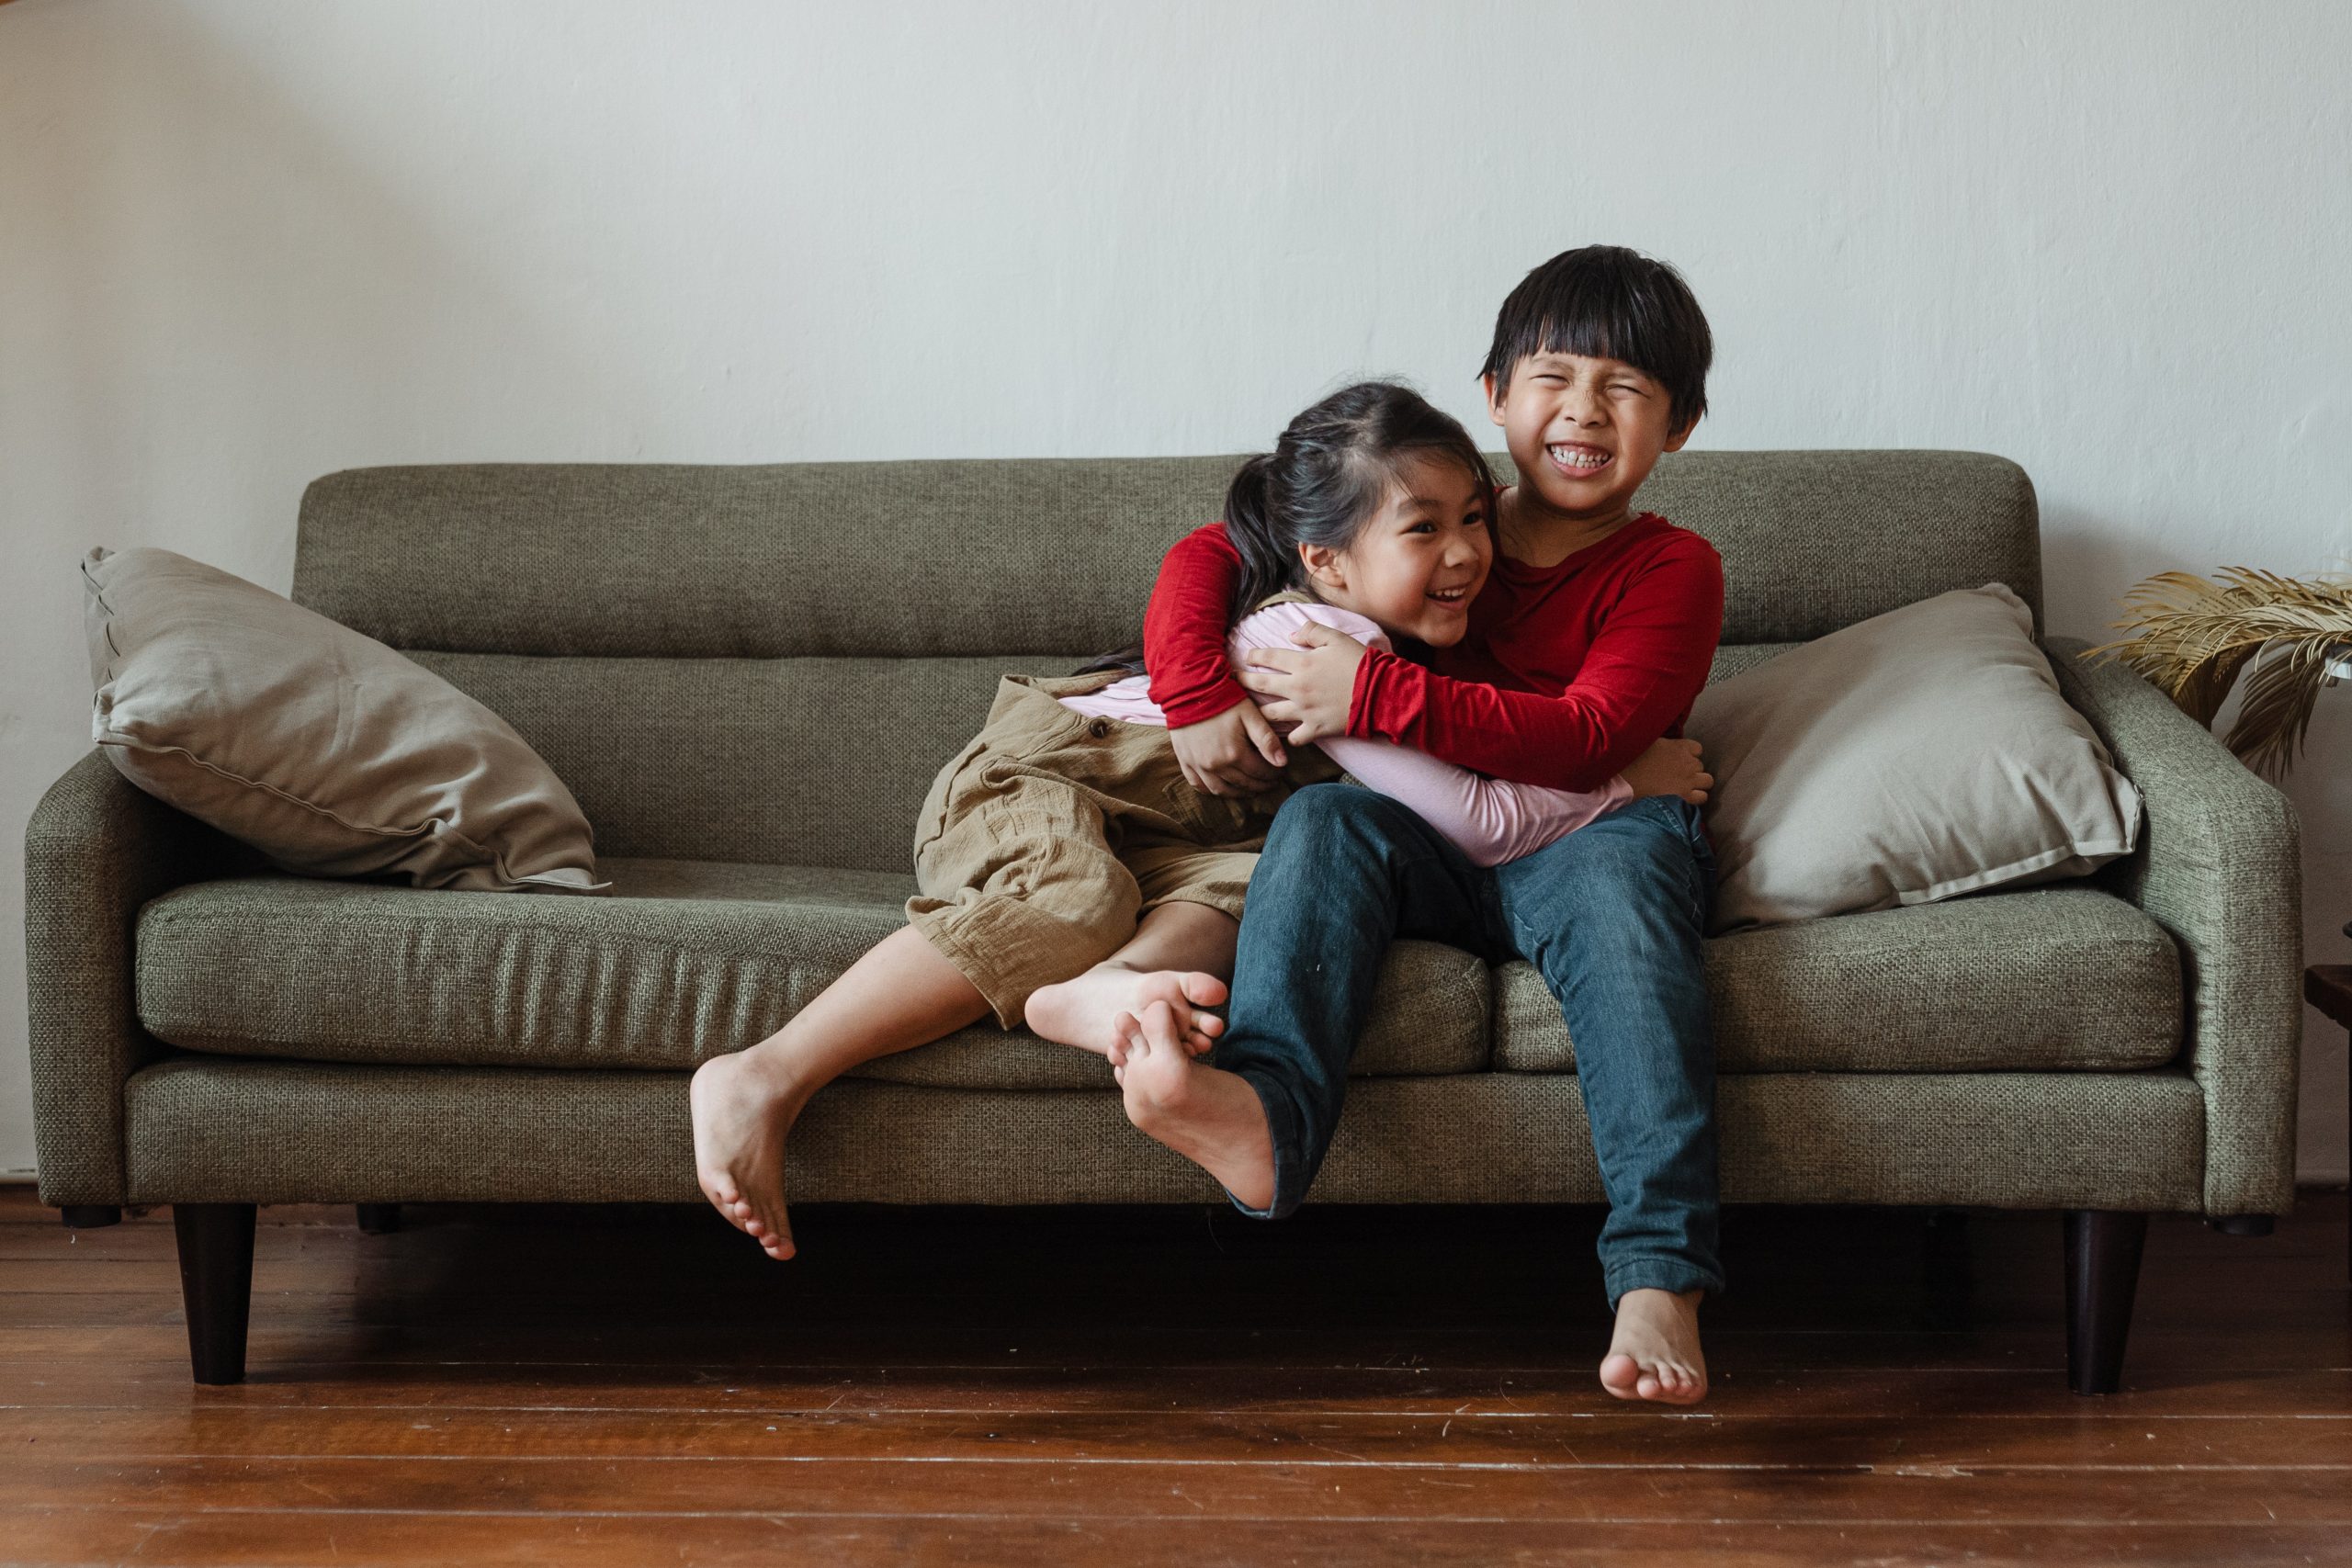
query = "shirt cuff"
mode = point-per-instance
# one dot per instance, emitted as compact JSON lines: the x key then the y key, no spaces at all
{"x":1360,"y":701}
{"x":1204,"y":705}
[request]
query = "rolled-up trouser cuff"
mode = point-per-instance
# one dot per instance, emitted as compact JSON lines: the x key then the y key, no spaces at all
{"x":1281,"y":1126}
{"x":1004,"y":971}
{"x":1674,"y":1274}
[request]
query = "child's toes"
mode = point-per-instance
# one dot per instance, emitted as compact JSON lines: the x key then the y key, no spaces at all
{"x":1202,"y":989}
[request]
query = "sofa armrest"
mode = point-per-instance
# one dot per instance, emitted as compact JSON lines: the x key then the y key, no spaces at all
{"x":96,"y":850}
{"x":2219,"y":866}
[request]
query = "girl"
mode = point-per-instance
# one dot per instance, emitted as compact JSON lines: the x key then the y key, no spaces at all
{"x":1070,"y":878}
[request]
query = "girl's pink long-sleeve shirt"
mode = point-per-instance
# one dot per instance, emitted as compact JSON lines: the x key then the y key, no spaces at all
{"x":1489,"y":820}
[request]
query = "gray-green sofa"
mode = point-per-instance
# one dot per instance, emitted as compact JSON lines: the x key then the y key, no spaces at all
{"x":749,"y":675}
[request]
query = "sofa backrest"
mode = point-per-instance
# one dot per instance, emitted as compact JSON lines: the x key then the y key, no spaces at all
{"x":769,"y":663}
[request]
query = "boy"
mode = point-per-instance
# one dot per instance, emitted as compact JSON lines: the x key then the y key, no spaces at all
{"x":1597,"y":629}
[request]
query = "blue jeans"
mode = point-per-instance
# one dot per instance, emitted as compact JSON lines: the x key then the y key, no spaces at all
{"x":1613,"y":916}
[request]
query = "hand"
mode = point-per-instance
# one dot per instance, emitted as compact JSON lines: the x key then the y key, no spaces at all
{"x":1236,"y":752}
{"x":1670,"y":767}
{"x":1313,"y":688}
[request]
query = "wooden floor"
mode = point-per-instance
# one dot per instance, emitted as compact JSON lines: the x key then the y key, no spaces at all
{"x":1157,"y":1387}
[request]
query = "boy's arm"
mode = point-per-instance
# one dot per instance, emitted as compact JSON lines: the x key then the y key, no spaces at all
{"x":1644,"y":670}
{"x":1223,"y":745}
{"x":1185,"y":627}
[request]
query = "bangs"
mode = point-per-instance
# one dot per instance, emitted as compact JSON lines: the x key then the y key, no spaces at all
{"x":1607,"y":303}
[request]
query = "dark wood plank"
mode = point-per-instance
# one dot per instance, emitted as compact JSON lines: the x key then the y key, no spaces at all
{"x":275,"y":1539}
{"x":1626,"y":1438}
{"x":1332,"y":1485}
{"x":70,"y":1375}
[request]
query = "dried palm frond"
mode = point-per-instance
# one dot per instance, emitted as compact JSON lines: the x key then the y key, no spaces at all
{"x":2192,"y":639}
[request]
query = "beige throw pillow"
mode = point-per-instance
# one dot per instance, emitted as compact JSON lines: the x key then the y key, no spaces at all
{"x":325,"y":750}
{"x":1904,"y":759}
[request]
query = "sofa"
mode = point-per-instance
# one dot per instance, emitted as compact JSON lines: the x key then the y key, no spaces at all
{"x":748,"y":676}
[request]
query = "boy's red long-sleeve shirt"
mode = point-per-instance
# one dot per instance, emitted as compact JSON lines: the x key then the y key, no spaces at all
{"x":1568,"y":672}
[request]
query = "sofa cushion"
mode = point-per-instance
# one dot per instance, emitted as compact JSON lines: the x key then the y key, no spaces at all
{"x":325,"y":750}
{"x":2060,"y":977}
{"x":1910,"y":758}
{"x":687,"y":960}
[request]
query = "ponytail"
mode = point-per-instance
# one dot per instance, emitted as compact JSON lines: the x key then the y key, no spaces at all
{"x":1269,"y":565}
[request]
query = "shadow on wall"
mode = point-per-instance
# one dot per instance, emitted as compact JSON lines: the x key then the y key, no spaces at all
{"x":2083,"y":557}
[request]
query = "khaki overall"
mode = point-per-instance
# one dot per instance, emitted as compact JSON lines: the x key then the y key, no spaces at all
{"x":1045,"y":839}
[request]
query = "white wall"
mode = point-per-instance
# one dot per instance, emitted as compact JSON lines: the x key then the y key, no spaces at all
{"x":245,"y":242}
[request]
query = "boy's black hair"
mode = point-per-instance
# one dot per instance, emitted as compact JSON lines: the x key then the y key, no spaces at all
{"x":1608,"y":302}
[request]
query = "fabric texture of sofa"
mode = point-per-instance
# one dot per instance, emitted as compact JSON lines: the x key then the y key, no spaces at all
{"x":747,"y":677}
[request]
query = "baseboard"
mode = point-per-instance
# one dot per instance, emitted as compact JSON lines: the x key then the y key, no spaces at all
{"x":2322,"y":1183}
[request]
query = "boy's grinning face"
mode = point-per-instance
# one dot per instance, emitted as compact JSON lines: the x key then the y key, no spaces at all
{"x":1584,"y":432}
{"x":1415,"y":567}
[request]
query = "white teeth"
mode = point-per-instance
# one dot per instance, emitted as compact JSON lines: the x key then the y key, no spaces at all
{"x":1576,"y":459}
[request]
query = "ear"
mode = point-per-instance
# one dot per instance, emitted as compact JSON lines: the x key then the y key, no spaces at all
{"x":1674,"y":442}
{"x":1324,"y":565}
{"x":1494,"y":395}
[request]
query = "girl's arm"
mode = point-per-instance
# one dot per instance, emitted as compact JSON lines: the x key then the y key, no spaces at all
{"x":1490,"y":820}
{"x":1644,"y":670}
{"x":1184,"y":628}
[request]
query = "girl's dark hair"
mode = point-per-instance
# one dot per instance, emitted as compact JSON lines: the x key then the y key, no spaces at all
{"x":1607,"y":303}
{"x":1327,"y":476}
{"x":1323,"y":481}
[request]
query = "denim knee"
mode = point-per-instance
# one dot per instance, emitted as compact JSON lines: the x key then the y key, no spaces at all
{"x":1638,"y":875}
{"x":1333,"y":816}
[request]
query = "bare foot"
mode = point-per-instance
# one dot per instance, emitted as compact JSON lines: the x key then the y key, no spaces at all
{"x":1654,"y":1352}
{"x":742,"y":1107}
{"x":1210,"y":1117}
{"x":1083,"y":1011}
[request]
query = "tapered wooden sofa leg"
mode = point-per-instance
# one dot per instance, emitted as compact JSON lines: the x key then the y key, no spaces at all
{"x":217,"y":1284}
{"x":2103,"y":1249}
{"x":378,"y":1218}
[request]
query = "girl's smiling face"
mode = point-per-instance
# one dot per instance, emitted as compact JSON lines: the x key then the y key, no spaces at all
{"x":1416,"y":563}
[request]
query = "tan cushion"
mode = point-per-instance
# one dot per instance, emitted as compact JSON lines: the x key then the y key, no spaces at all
{"x":2046,"y":979}
{"x":326,"y":750}
{"x":687,"y":960}
{"x":1904,"y":759}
